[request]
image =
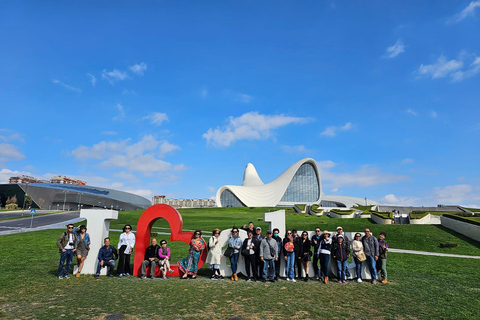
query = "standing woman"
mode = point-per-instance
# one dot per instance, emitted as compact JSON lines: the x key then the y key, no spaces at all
{"x":83,"y":246}
{"x":248,"y":253}
{"x":358,"y":255}
{"x":189,"y":265}
{"x":306,"y":254}
{"x":289,"y":254}
{"x":324,"y":251}
{"x":236,"y":243}
{"x":214,"y":255}
{"x":125,"y":245}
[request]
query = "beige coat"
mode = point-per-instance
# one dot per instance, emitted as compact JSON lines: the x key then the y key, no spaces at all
{"x":215,"y":252}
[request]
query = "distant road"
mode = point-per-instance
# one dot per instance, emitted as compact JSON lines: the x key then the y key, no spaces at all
{"x":50,"y":221}
{"x":26,"y":213}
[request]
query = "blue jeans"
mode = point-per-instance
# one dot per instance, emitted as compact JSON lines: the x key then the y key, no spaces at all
{"x":234,"y":261}
{"x":341,"y":266}
{"x":268,"y":269}
{"x":109,"y":264}
{"x":372,"y":266}
{"x":358,"y":266}
{"x":65,"y":256}
{"x":324,"y":261}
{"x":290,"y":267}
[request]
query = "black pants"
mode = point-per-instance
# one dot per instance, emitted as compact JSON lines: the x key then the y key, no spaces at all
{"x":251,"y":261}
{"x":259,"y":265}
{"x":316,"y":260}
{"x":299,"y":264}
{"x":277,"y":268}
{"x":123,"y":261}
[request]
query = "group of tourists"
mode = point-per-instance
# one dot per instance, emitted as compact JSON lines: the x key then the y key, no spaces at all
{"x":261,"y":254}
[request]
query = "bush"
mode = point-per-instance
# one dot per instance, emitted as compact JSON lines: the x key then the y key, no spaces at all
{"x":301,"y":207}
{"x":343,"y":212}
{"x":459,"y":218}
{"x":383,"y":215}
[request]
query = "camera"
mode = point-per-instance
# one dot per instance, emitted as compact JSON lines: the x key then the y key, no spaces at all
{"x":70,"y":244}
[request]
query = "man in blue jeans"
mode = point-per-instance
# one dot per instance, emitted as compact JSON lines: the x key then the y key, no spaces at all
{"x":370,"y":247}
{"x":67,"y":244}
{"x":268,"y":254}
{"x":107,"y":255}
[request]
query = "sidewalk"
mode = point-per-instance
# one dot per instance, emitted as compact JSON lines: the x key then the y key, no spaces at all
{"x":438,"y":254}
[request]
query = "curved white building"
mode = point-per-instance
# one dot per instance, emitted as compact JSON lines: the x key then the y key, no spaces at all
{"x":299,"y":184}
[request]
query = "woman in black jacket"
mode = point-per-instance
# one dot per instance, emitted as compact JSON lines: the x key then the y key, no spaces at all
{"x":306,"y":253}
{"x":248,"y":254}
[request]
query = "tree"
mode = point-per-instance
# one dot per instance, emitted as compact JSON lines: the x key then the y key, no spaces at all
{"x":28,"y":200}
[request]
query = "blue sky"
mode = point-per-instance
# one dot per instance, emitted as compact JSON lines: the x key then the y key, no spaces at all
{"x":175,"y":98}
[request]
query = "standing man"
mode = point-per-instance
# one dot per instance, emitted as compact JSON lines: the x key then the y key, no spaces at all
{"x":370,"y":247}
{"x":316,"y":243}
{"x":268,"y":255}
{"x":151,"y":259}
{"x":257,"y":241}
{"x":251,"y":227}
{"x":279,"y":241}
{"x":346,"y":243}
{"x":67,"y":244}
{"x":107,"y":255}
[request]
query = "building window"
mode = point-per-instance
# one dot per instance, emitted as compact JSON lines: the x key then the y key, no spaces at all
{"x":228,"y":199}
{"x":304,"y":186}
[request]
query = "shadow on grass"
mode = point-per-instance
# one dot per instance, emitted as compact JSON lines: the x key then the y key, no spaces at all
{"x":459,"y":235}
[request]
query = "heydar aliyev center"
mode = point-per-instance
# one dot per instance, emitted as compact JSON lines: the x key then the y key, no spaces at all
{"x":299,"y":184}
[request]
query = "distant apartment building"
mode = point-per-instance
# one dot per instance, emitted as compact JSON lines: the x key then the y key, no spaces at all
{"x":67,"y":180}
{"x":24,"y":179}
{"x":183,"y":203}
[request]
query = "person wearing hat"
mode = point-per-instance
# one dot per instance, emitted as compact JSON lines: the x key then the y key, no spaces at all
{"x":83,"y":246}
{"x":268,"y":254}
{"x":346,"y":241}
{"x":257,"y":240}
{"x":324,"y":251}
{"x":341,"y":253}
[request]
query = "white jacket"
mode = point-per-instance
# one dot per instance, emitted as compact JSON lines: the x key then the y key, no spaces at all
{"x":215,"y":252}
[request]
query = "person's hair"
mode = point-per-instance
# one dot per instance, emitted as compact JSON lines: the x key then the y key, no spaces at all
{"x":125,"y":227}
{"x":286,"y":232}
{"x":153,"y":239}
{"x":106,"y":239}
{"x":317,"y":228}
{"x":215,"y":231}
{"x":235,"y":228}
{"x":305,"y":232}
{"x":70,"y":224}
{"x":384,"y":233}
{"x":294,"y":230}
{"x":163,"y":241}
{"x":358,"y":234}
{"x":193,"y":235}
{"x":276,"y":229}
{"x":249,"y":233}
{"x":82,"y":227}
{"x":251,"y":222}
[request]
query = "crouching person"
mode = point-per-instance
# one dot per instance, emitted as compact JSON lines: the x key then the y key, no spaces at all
{"x":151,"y":259}
{"x":107,"y":255}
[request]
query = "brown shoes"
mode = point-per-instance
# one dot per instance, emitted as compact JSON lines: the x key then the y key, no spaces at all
{"x":235,"y":277}
{"x":325,"y":280}
{"x":384,"y":281}
{"x":77,"y":275}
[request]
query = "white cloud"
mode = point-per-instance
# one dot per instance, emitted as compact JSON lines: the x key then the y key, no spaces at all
{"x":395,"y":50}
{"x":433,"y":114}
{"x":127,"y":91}
{"x":467,"y":65}
{"x":237,"y":97}
{"x":211,"y":189}
{"x":366,"y":176}
{"x":456,"y":194}
{"x":332,"y":130}
{"x":7,"y":135}
{"x":66,"y":86}
{"x":5,"y":174}
{"x":9,"y":152}
{"x":410,"y":111}
{"x":142,"y":156}
{"x":93,"y":80}
{"x":407,"y":161}
{"x":121,"y":113}
{"x":138,"y":69}
{"x":115,"y":75}
{"x":126,"y":176}
{"x":157,"y":118}
{"x":109,"y":133}
{"x":295,"y":149}
{"x":249,"y":126}
{"x":393,"y":200}
{"x":468,"y":11}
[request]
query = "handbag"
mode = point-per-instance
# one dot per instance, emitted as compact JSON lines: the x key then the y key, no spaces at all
{"x":361,"y":256}
{"x":245,"y":252}
{"x":228,"y":252}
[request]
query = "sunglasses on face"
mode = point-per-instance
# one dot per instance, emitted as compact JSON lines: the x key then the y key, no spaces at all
{"x":197,"y":234}
{"x":128,"y":228}
{"x":217,"y":233}
{"x":235,"y":231}
{"x":70,"y":227}
{"x":163,"y":243}
{"x":289,"y":233}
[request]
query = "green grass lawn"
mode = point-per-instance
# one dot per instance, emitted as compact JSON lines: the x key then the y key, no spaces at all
{"x":419,"y":287}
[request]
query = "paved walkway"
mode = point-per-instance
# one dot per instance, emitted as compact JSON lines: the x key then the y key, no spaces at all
{"x":438,"y":254}
{"x":50,"y":221}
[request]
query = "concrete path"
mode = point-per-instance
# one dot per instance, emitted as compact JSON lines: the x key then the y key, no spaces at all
{"x":438,"y":254}
{"x":50,"y":221}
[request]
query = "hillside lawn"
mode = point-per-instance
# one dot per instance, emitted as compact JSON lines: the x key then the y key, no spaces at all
{"x":419,"y":287}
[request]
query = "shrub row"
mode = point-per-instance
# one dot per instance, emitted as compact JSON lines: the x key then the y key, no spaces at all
{"x":459,"y":218}
{"x":383,"y":215}
{"x":345,"y":212}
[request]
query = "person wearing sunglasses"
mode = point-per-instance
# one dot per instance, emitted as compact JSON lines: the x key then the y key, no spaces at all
{"x":126,"y":243}
{"x":214,"y":255}
{"x":249,"y":250}
{"x":306,"y":254}
{"x":370,"y":247}
{"x":315,"y":240}
{"x":67,"y":244}
{"x":164,"y":259}
{"x":289,"y":254}
{"x":235,"y":243}
{"x":189,"y":265}
{"x":83,"y":246}
{"x":150,"y":259}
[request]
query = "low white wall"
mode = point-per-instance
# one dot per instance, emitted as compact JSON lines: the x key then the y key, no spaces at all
{"x":342,"y":216}
{"x":379,"y":220}
{"x":467,"y":229}
{"x":428,"y":219}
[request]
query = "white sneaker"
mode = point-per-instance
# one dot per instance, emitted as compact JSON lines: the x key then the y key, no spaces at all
{"x":288,"y":279}
{"x":293,"y":280}
{"x":359,"y":280}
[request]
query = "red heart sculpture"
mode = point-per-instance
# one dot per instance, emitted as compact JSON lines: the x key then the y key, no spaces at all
{"x":144,"y":227}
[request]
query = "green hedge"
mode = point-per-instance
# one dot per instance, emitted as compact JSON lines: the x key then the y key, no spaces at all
{"x":383,"y":215}
{"x":343,"y":212}
{"x":418,"y":214}
{"x":301,"y":207}
{"x":314,"y":208}
{"x":456,"y":217}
